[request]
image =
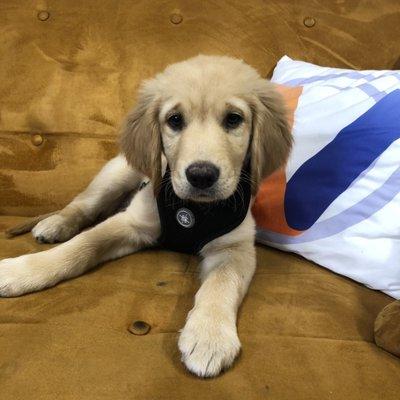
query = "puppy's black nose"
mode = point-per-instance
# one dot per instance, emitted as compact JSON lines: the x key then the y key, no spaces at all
{"x":202,"y":175}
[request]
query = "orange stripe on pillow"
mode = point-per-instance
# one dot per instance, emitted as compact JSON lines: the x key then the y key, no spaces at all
{"x":291,"y":97}
{"x":268,"y":208}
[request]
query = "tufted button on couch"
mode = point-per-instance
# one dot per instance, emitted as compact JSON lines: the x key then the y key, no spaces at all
{"x":68,"y":74}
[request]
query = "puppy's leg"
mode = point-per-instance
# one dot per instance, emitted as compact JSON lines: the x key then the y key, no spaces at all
{"x":121,"y":234}
{"x":209,"y":342}
{"x":115,"y":179}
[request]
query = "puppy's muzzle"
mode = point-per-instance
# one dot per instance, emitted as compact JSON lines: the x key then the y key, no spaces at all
{"x":202,"y":175}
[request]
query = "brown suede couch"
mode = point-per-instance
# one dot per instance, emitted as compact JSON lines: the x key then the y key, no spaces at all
{"x":68,"y":73}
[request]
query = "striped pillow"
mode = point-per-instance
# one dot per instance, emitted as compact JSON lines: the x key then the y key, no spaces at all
{"x":337,"y":202}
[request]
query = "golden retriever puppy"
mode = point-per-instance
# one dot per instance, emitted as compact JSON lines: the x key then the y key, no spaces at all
{"x":203,"y":134}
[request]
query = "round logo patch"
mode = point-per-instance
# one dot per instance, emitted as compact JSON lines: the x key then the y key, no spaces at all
{"x":185,"y":217}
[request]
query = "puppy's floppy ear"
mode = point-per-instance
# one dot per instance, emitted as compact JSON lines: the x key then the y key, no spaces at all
{"x":272,"y":140}
{"x":140,"y":138}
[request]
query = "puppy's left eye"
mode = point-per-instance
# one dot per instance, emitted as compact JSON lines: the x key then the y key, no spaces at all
{"x":232,"y":120}
{"x":175,"y":121}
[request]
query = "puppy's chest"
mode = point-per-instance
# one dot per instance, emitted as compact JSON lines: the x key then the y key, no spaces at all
{"x":187,"y":226}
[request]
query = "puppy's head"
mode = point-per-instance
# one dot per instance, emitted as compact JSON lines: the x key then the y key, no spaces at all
{"x":206,"y":114}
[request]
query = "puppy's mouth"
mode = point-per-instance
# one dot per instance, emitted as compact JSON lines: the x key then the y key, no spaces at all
{"x":185,"y":191}
{"x":205,"y":196}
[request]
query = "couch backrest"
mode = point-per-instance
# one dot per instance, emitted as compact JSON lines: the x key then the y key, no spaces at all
{"x":69,"y":70}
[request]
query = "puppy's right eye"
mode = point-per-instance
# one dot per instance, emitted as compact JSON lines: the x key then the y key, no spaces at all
{"x":175,"y":121}
{"x":232,"y":120}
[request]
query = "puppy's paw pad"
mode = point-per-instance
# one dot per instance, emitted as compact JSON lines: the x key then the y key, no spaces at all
{"x":208,"y":347}
{"x":40,"y":239}
{"x":55,"y":229}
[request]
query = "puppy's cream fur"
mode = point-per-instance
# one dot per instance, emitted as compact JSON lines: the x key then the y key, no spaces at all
{"x":203,"y":89}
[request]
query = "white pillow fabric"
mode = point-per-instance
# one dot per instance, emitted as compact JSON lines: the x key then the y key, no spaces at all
{"x":337,"y":202}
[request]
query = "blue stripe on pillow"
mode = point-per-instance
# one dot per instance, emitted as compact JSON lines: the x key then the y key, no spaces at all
{"x":321,"y":179}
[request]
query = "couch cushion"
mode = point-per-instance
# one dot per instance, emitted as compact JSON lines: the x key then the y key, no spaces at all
{"x":306,"y":333}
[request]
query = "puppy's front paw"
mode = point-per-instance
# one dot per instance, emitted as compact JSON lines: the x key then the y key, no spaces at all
{"x":21,"y":275}
{"x":55,"y":228}
{"x":209,"y":344}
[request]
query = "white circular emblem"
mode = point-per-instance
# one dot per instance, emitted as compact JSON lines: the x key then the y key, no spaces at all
{"x":185,"y":217}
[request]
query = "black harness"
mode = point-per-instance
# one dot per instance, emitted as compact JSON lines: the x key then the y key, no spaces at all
{"x":186,"y":226}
